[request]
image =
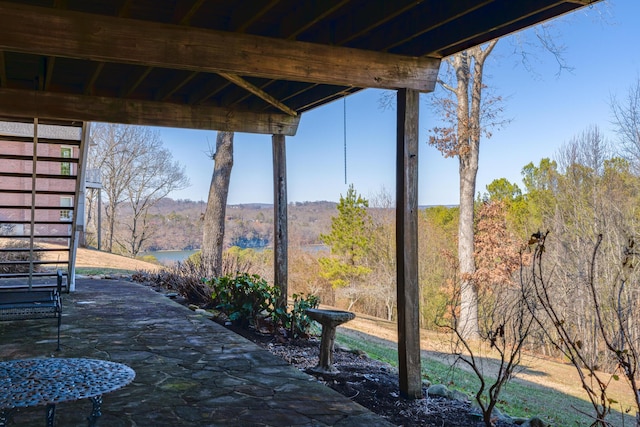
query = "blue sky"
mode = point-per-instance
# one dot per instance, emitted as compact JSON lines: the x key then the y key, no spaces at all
{"x":546,"y":111}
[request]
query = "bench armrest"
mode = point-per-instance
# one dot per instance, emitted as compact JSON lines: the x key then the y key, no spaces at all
{"x":59,"y":281}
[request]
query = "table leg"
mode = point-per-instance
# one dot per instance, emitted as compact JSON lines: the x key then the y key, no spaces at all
{"x":96,"y":411}
{"x":51,"y":414}
{"x":5,"y":417}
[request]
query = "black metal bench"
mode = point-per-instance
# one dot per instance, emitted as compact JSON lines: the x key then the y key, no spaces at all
{"x":33,"y":304}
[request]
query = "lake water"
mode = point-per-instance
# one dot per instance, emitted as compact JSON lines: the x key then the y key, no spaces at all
{"x":170,"y":257}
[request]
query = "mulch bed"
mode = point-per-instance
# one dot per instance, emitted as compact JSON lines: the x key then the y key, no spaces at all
{"x":371,"y":383}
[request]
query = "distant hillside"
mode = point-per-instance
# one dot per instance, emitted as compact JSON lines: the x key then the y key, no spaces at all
{"x":178,"y":224}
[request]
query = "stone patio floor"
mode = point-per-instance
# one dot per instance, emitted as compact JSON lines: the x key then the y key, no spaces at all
{"x":190,"y":371}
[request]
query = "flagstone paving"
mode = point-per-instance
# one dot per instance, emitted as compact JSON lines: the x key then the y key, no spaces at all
{"x":190,"y":371}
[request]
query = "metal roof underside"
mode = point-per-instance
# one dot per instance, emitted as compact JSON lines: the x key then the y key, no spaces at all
{"x":251,"y":66}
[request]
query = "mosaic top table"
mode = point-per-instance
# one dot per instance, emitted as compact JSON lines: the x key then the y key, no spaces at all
{"x":36,"y":382}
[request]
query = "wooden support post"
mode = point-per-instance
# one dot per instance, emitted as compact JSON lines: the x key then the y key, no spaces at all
{"x":99,"y":227}
{"x":407,"y":245}
{"x":280,"y":237}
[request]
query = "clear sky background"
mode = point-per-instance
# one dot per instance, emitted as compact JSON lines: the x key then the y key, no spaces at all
{"x":546,"y":111}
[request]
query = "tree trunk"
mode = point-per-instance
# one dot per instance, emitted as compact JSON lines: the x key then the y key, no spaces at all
{"x":213,"y":234}
{"x":466,"y":247}
{"x":111,"y":215}
{"x":469,"y":97}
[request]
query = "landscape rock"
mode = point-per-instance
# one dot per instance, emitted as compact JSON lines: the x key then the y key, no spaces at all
{"x":204,"y":313}
{"x":438,"y":390}
{"x":534,"y":422}
{"x":459,"y":396}
{"x":340,"y":347}
{"x":360,"y":353}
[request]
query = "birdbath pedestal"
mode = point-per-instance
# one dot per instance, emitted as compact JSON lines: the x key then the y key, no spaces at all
{"x":330,"y":320}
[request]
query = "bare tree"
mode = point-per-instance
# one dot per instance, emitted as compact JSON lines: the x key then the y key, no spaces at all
{"x":156,"y":176}
{"x":134,"y":168}
{"x":381,"y":257}
{"x":590,"y":148}
{"x":214,"y":217}
{"x":626,"y":116}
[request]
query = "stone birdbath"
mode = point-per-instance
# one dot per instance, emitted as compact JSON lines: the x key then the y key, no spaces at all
{"x":330,"y":320}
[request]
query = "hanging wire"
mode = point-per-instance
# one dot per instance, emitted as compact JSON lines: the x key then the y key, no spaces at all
{"x":344,"y":126}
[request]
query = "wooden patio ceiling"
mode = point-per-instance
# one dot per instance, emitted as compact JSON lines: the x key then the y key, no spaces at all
{"x":249,"y":66}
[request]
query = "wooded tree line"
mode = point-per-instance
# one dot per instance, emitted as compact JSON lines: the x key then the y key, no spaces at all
{"x":590,"y":188}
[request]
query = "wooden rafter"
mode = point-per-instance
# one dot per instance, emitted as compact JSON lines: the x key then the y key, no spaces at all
{"x":101,"y":38}
{"x":512,"y":16}
{"x":438,"y":17}
{"x":184,"y":19}
{"x":344,"y":30}
{"x":61,"y":4}
{"x":166,"y":92}
{"x":149,"y":113}
{"x":3,"y":70}
{"x":123,"y":10}
{"x":212,"y":88}
{"x":128,"y":89}
{"x":242,"y":28}
{"x":329,"y":8}
{"x":51,"y":61}
{"x":94,"y":76}
{"x":258,"y":92}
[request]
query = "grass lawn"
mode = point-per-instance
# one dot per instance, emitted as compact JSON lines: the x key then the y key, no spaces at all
{"x":518,"y":398}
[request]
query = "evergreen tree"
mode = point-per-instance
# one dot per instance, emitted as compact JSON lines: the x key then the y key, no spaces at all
{"x":350,"y":240}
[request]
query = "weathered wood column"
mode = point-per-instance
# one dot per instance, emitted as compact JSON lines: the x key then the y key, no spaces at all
{"x":280,"y":236}
{"x":407,"y":244}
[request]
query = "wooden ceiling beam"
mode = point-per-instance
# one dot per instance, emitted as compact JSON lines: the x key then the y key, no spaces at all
{"x":290,"y":36}
{"x":180,"y":19}
{"x":64,"y":33}
{"x":21,"y":103}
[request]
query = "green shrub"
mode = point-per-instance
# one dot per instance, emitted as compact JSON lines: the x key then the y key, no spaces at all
{"x":243,"y":296}
{"x":296,"y":322}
